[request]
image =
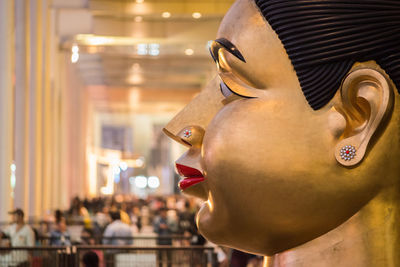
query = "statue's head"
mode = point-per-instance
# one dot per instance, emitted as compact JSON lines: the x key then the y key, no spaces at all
{"x":299,"y":130}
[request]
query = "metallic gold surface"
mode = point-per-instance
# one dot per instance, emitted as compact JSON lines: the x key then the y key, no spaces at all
{"x":274,"y":181}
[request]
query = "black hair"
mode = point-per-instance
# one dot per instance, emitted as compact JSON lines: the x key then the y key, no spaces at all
{"x":115,"y":215}
{"x":90,"y":259}
{"x":324,"y":38}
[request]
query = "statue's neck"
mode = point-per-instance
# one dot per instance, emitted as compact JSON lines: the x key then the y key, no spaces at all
{"x":371,"y":238}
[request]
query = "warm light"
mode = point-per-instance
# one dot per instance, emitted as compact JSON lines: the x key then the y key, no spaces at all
{"x":99,"y":40}
{"x":153,"y":182}
{"x":141,"y":182}
{"x":139,"y":1}
{"x":189,"y":52}
{"x":74,"y":57}
{"x":196,"y":15}
{"x":138,"y":19}
{"x":135,"y":78}
{"x":106,"y":190}
{"x":166,"y":15}
{"x":92,"y":174}
{"x":13,"y":179}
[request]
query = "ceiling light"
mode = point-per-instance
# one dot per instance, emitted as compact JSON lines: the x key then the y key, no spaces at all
{"x":166,"y":15}
{"x":139,"y":162}
{"x":154,"y":49}
{"x":74,"y":57}
{"x":141,"y":182}
{"x":142,"y":49}
{"x":138,"y":19}
{"x":189,"y":52}
{"x":75,"y":49}
{"x":153,"y":182}
{"x":196,"y":15}
{"x":139,"y":1}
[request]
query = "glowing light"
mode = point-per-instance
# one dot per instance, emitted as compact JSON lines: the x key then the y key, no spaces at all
{"x":135,"y":78}
{"x":166,"y":15}
{"x":74,"y":57}
{"x":153,"y":182}
{"x":154,"y":49}
{"x":135,"y":67}
{"x":139,"y":1}
{"x":13,"y":179}
{"x":75,"y":49}
{"x":123,"y":165}
{"x":99,"y":40}
{"x":138,"y":19}
{"x":116,"y":170}
{"x":139,"y":162}
{"x":196,"y":15}
{"x":189,"y":52}
{"x":141,"y":182}
{"x":92,"y":174}
{"x":142,"y":49}
{"x":106,"y":190}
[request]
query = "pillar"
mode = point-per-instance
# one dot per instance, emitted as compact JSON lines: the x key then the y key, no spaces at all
{"x":6,"y":105}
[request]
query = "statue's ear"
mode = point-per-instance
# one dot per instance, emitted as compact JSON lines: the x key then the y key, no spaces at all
{"x":366,"y":98}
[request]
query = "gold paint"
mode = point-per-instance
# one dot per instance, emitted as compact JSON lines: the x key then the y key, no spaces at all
{"x":274,"y":184}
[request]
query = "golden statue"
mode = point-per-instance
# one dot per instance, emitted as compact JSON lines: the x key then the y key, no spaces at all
{"x":295,"y":146}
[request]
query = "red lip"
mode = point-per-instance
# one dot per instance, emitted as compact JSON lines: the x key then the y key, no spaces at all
{"x":191,"y":176}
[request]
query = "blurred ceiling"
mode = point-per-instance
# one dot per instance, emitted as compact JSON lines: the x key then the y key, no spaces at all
{"x":154,"y":45}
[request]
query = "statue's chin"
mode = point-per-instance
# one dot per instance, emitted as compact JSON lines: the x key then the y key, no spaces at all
{"x":217,"y":228}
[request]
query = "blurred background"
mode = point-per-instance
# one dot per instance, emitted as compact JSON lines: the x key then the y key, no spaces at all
{"x":86,"y":88}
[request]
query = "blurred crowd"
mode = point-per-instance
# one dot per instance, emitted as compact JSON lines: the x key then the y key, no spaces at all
{"x":119,"y":220}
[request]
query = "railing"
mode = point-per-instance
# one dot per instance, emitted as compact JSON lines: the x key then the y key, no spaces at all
{"x":137,"y":240}
{"x":108,"y":256}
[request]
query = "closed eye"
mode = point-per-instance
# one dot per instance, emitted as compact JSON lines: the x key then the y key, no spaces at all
{"x":225,"y":90}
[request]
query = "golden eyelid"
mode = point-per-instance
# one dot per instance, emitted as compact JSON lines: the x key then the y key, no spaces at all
{"x":238,"y":86}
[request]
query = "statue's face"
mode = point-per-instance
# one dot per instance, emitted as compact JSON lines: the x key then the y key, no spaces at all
{"x":271,"y":180}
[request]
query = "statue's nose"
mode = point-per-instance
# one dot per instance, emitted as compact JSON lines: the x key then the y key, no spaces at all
{"x":196,"y":115}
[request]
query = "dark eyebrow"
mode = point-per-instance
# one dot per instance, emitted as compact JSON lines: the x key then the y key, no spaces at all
{"x":231,"y":48}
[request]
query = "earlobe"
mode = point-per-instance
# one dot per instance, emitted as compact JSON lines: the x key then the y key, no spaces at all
{"x":366,"y":99}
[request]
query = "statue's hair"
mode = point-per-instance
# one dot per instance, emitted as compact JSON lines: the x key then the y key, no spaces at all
{"x":324,"y":38}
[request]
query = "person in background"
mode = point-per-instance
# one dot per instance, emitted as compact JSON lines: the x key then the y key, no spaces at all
{"x":162,"y":228}
{"x":117,"y":232}
{"x":87,"y":237}
{"x":90,"y":259}
{"x":20,"y":234}
{"x":60,"y":236}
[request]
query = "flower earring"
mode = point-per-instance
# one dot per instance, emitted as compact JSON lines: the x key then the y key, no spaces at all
{"x":187,"y":133}
{"x":348,"y":153}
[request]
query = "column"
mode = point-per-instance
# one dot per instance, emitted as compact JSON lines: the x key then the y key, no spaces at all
{"x":21,"y":136}
{"x":35,"y":108}
{"x":6,"y":105}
